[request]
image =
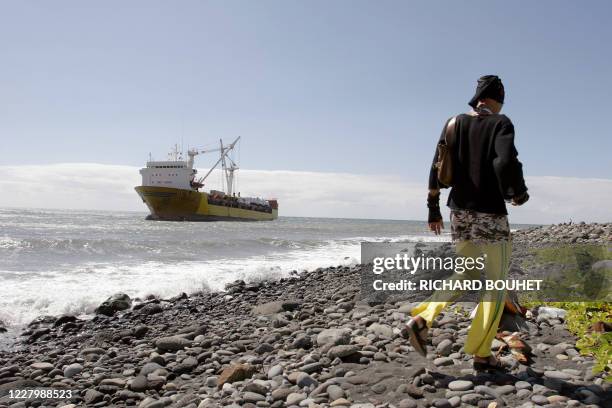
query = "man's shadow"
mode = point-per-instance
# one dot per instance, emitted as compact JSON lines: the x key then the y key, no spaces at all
{"x":500,"y":377}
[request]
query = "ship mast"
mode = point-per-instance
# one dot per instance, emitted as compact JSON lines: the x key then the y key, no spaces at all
{"x":227,"y":164}
{"x":228,"y":170}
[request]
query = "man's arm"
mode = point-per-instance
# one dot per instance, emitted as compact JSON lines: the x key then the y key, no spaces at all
{"x":508,"y":168}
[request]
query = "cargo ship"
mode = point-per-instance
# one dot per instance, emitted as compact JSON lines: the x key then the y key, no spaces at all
{"x":171,"y":190}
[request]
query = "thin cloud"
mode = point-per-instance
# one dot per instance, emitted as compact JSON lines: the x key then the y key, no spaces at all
{"x":307,"y":194}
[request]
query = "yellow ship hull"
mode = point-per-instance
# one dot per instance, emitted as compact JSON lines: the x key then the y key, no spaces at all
{"x":175,"y":204}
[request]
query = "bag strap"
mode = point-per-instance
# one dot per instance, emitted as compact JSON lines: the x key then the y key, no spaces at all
{"x":449,"y":133}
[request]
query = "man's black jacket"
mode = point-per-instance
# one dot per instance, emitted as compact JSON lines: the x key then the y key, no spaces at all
{"x":486,"y":169}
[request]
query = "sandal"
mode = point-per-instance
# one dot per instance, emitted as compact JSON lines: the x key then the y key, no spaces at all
{"x":416,"y":332}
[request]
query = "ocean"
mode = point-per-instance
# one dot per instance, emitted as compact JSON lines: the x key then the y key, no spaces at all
{"x":59,"y":261}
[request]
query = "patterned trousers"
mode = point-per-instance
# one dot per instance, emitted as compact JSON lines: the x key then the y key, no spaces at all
{"x":476,"y":234}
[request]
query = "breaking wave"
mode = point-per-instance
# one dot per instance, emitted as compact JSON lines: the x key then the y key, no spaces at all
{"x":55,"y":262}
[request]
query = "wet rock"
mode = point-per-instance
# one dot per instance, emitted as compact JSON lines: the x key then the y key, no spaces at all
{"x":114,"y":304}
{"x":38,"y":333}
{"x":63,"y":320}
{"x":235,"y":287}
{"x":151,"y":309}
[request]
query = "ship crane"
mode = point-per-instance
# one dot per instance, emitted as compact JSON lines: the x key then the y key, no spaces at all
{"x":227,"y":164}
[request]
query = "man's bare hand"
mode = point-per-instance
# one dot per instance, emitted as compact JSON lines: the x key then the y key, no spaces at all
{"x":436,"y":227}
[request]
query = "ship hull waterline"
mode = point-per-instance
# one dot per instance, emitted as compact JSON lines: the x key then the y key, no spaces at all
{"x":173,"y":204}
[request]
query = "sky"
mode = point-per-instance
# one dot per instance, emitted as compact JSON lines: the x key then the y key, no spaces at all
{"x":353,"y":88}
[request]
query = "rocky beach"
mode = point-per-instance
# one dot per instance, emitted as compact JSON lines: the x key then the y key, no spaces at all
{"x":304,"y":341}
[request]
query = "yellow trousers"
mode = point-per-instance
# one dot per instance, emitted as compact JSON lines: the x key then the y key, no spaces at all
{"x":491,"y":306}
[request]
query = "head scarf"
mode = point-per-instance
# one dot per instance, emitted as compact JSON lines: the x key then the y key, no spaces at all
{"x":489,"y":86}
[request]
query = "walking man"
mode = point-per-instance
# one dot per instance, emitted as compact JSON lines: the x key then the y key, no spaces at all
{"x":486,"y":173}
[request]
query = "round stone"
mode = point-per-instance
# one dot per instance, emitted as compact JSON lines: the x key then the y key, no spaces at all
{"x":335,"y":392}
{"x":523,"y":393}
{"x":522,"y":385}
{"x":460,"y":385}
{"x":295,"y":398}
{"x":455,"y":401}
{"x":408,"y":403}
{"x":274,"y":371}
{"x":253,"y":397}
{"x":471,"y":398}
{"x":540,"y":399}
{"x":72,"y":370}
{"x":558,"y":375}
{"x":442,"y":403}
{"x":443,"y":361}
